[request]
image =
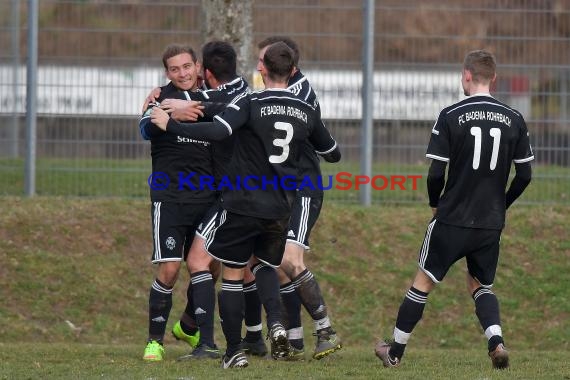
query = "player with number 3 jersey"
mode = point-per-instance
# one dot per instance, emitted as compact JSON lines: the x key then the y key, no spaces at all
{"x":270,"y":128}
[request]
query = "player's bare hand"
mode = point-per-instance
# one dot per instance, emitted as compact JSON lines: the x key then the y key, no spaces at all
{"x":170,"y":105}
{"x":151,"y":98}
{"x":183,"y":110}
{"x":189,"y":113}
{"x":159,"y":118}
{"x":434,"y":210}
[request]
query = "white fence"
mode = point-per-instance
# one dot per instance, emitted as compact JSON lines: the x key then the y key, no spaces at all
{"x":403,"y":95}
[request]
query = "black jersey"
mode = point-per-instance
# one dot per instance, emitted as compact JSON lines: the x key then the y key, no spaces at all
{"x":479,"y":137}
{"x":178,"y":162}
{"x":309,"y":165}
{"x":271,"y":128}
{"x":215,"y":101}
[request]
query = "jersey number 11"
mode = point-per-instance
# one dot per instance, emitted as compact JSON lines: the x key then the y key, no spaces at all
{"x":496,"y":135}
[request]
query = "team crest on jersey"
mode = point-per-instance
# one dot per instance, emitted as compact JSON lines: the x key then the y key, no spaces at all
{"x":170,"y":243}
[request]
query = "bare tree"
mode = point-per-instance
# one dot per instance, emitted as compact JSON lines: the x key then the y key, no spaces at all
{"x":231,"y":21}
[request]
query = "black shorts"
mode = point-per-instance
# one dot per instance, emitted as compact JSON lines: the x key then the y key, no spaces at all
{"x":234,"y":238}
{"x":208,"y":222}
{"x":304,"y":214}
{"x":173,"y":229}
{"x":444,"y":244}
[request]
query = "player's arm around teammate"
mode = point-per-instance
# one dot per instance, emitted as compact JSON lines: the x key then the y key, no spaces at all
{"x":298,"y":285}
{"x":256,"y":221}
{"x":174,"y":213}
{"x":219,"y":65}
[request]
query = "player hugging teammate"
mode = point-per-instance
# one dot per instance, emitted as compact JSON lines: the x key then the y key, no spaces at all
{"x":252,"y":226}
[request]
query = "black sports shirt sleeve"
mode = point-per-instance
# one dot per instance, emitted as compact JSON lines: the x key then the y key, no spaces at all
{"x":232,"y":118}
{"x":324,"y":144}
{"x":332,"y":156}
{"x":522,"y":157}
{"x":322,"y":140}
{"x":211,"y":109}
{"x":438,"y":147}
{"x":523,"y":150}
{"x":435,"y":181}
{"x":212,"y":131}
{"x":215,"y":101}
{"x":519,"y":183}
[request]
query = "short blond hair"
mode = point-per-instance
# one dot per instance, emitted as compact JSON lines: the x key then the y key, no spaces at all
{"x":481,"y":64}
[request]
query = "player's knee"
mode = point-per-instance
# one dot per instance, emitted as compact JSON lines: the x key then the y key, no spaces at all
{"x":293,"y":263}
{"x":297,"y":270}
{"x":169,"y":280}
{"x":473,"y":284}
{"x":292,"y":268}
{"x":198,"y":261}
{"x":168,"y":273}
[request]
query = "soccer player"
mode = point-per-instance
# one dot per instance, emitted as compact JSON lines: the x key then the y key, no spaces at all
{"x":298,"y":284}
{"x":178,"y":205}
{"x":219,"y":65}
{"x":271,"y":127}
{"x":479,"y":137}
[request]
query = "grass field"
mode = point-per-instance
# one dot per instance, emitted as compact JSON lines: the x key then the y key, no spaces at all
{"x":75,"y":276}
{"x":89,"y":361}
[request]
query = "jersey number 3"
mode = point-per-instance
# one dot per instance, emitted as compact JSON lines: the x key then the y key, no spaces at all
{"x":496,"y":135}
{"x":282,"y":143}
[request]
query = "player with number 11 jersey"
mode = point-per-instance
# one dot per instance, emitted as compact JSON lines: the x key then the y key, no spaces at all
{"x":479,"y":137}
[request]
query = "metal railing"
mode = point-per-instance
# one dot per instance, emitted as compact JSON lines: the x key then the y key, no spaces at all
{"x":98,"y":60}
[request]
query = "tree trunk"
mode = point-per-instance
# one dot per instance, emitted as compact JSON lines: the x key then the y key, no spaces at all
{"x":231,"y":21}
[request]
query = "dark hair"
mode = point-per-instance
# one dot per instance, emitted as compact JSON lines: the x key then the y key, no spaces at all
{"x":288,"y":41}
{"x":175,"y":49}
{"x":279,"y":61}
{"x":220,"y":58}
{"x":481,"y":64}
